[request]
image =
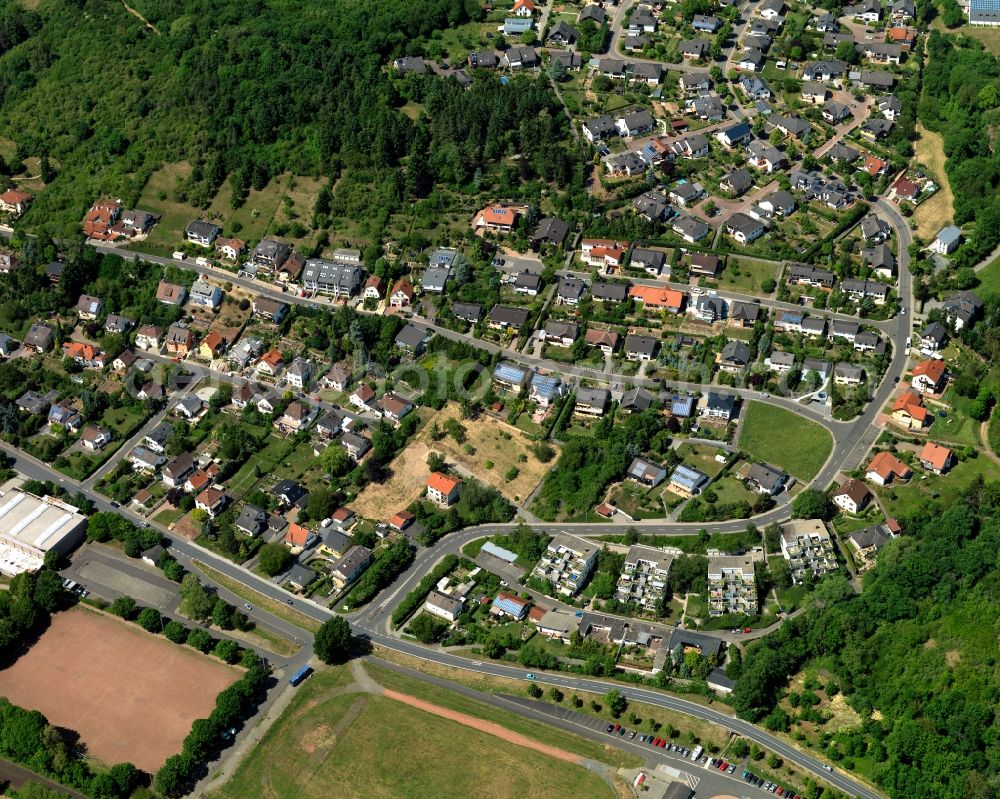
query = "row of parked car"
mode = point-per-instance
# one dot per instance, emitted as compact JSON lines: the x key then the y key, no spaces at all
{"x":709,"y":762}
{"x":662,"y":743}
{"x":771,"y":787}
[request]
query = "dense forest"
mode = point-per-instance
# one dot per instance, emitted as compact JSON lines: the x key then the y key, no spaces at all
{"x":915,"y":654}
{"x":247,"y":90}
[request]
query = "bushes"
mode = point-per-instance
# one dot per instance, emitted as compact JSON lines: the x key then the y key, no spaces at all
{"x":274,"y":559}
{"x":107,"y":526}
{"x":390,"y":562}
{"x":415,"y":598}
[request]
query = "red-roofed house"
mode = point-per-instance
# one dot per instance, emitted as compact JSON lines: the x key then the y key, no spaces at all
{"x":443,"y":489}
{"x":885,"y":467}
{"x":402,"y":294}
{"x":496,"y":217}
{"x":908,"y":411}
{"x":271,"y":363}
{"x":198,"y":481}
{"x":101,"y":218}
{"x":929,"y":376}
{"x":374,"y":288}
{"x":874,"y":166}
{"x":904,"y":189}
{"x":655,"y":297}
{"x":936,"y":458}
{"x":15,"y":201}
{"x":603,"y":253}
{"x":297,"y":536}
{"x":211,"y":500}
{"x":401,"y":520}
{"x":85,"y":354}
{"x":524,"y":8}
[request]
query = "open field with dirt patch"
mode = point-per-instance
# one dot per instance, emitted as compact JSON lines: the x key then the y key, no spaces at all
{"x":334,"y":742}
{"x":939,"y":210}
{"x":130,"y":695}
{"x":490,"y":440}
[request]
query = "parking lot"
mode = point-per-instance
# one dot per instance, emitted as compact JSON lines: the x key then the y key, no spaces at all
{"x":109,"y":574}
{"x":709,"y":776}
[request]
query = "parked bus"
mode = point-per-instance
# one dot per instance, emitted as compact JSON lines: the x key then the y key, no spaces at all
{"x":300,"y":675}
{"x":697,"y":753}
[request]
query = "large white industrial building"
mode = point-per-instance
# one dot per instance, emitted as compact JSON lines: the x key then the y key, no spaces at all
{"x":31,"y":526}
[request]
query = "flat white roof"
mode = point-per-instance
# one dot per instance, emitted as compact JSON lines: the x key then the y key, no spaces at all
{"x":36,"y":522}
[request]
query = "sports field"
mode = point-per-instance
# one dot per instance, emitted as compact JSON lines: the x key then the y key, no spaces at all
{"x":130,"y":695}
{"x":334,"y":741}
{"x":784,"y":439}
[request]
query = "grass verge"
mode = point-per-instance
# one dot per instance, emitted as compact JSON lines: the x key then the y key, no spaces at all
{"x":255,"y":597}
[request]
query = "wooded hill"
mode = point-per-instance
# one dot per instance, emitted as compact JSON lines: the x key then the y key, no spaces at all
{"x":246,"y":90}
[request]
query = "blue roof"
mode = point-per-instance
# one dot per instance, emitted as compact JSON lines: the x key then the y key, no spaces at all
{"x":950,"y":234}
{"x":984,"y":11}
{"x":508,"y":605}
{"x":509,"y":373}
{"x":517,"y":25}
{"x":688,"y":478}
{"x":681,"y":405}
{"x":546,"y":386}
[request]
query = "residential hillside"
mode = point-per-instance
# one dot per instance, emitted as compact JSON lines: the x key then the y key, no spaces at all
{"x":914,"y":654}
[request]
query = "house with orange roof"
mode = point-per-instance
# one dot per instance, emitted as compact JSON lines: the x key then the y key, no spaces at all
{"x":930,"y":376}
{"x":902,"y":35}
{"x":874,"y":166}
{"x":524,"y":8}
{"x":401,"y":520}
{"x":197,"y":481}
{"x":374,"y":288}
{"x":443,"y":489}
{"x":85,"y":354}
{"x":15,"y":201}
{"x":603,"y":253}
{"x":298,"y":537}
{"x":886,"y":467}
{"x":402,"y":294}
{"x":271,"y":363}
{"x":212,"y":345}
{"x":936,"y":458}
{"x":230,"y":249}
{"x":101,"y":217}
{"x":496,"y":217}
{"x":211,"y":500}
{"x":908,"y":411}
{"x":655,"y":297}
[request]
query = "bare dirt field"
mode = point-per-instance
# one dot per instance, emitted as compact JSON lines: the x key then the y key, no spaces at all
{"x":938,"y":211}
{"x":130,"y":696}
{"x":488,"y":438}
{"x":485,"y":726}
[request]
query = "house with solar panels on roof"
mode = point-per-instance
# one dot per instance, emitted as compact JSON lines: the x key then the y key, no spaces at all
{"x":984,"y":13}
{"x":509,"y":376}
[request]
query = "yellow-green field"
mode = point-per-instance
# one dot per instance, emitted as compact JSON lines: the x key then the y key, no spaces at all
{"x":333,"y":741}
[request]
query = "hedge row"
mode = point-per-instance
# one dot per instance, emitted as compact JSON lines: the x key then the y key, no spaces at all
{"x":413,"y":600}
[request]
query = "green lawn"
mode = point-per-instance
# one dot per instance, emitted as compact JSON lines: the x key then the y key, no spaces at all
{"x":331,"y":743}
{"x":785,"y":439}
{"x":701,"y":457}
{"x":747,"y":277}
{"x":989,"y":275}
{"x":122,"y":420}
{"x":267,"y":459}
{"x":906,"y":498}
{"x":729,"y":489}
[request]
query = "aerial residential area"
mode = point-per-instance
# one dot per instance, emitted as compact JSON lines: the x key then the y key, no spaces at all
{"x":575,"y":399}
